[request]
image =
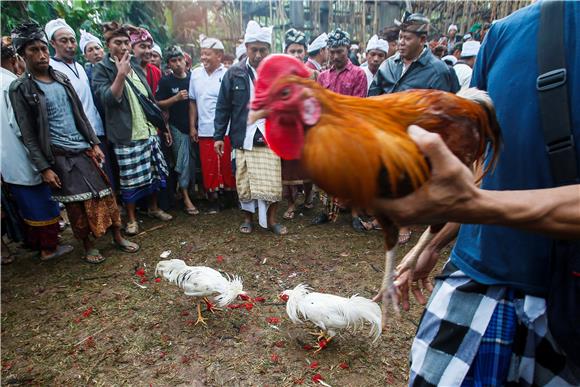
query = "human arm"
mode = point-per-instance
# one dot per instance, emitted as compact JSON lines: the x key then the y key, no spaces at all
{"x":123,"y":69}
{"x":451,"y":195}
{"x":223,"y":108}
{"x":168,"y":102}
{"x":193,"y":120}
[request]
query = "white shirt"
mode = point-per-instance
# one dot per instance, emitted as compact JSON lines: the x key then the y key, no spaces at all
{"x":258,"y":125}
{"x":463,"y":72}
{"x":204,"y":89}
{"x":80,"y":82}
{"x":370,"y":76}
{"x":15,"y":164}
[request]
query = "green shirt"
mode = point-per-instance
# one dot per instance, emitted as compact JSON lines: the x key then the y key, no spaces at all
{"x":141,"y":128}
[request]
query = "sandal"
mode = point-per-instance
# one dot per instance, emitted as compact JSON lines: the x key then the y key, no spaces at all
{"x":127,"y":246}
{"x":358,"y":224}
{"x":160,"y":214}
{"x":132,"y":228}
{"x":94,"y":256}
{"x":189,"y":211}
{"x":404,"y":237}
{"x":59,"y":252}
{"x":289,"y":214}
{"x":246,"y":228}
{"x":278,"y":229}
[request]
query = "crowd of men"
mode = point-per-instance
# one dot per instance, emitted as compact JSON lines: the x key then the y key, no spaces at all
{"x":84,"y":136}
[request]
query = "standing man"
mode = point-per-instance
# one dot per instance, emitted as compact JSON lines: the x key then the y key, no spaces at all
{"x":142,"y":167}
{"x":156,"y":56}
{"x":62,"y":144}
{"x":258,"y":169}
{"x":39,"y":212}
{"x":376,"y":52}
{"x":391,"y":35}
{"x":452,"y":38}
{"x":318,"y":53}
{"x":92,"y":50}
{"x":464,"y":66}
{"x":204,"y":89}
{"x":172,"y":96}
{"x":343,"y":77}
{"x":142,"y":46}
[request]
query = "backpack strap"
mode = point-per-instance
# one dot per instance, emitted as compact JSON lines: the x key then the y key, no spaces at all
{"x":552,"y":86}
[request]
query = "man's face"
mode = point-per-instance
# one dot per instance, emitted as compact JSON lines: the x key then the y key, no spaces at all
{"x":411,"y":44}
{"x":118,"y":46}
{"x":142,"y":51}
{"x":296,"y":50}
{"x":36,"y":56}
{"x":210,"y":58}
{"x":256,"y":52}
{"x":338,"y":57}
{"x":177,"y":65}
{"x":65,"y":44}
{"x":325,"y":54}
{"x":94,"y":52}
{"x":156,"y":59}
{"x":452,"y":33}
{"x":227,"y":63}
{"x":375,"y":58}
{"x":392,"y":48}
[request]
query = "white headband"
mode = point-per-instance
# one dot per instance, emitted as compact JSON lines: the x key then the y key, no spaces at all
{"x":377,"y":44}
{"x":255,"y":33}
{"x":54,"y":25}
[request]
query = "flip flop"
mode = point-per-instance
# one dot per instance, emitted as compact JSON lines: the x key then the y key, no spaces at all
{"x":191,"y":211}
{"x":358,"y":224}
{"x":289,"y":214}
{"x":278,"y":229}
{"x":246,"y":228}
{"x":94,"y":256}
{"x":127,"y":246}
{"x":404,"y":237}
{"x":59,"y":252}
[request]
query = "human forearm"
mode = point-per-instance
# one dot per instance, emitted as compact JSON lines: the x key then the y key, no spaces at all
{"x":167,"y":103}
{"x":118,"y":86}
{"x":192,"y":115}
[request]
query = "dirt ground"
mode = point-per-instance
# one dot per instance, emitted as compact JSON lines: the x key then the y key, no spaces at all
{"x":71,"y":323}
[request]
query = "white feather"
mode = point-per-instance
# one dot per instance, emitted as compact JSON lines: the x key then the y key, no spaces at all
{"x":201,"y":281}
{"x":330,"y":312}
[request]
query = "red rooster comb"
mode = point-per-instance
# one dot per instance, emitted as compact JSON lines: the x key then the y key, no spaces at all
{"x":270,"y":70}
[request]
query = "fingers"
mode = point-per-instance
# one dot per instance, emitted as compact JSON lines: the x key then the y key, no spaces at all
{"x":431,"y":144}
{"x":56,"y":181}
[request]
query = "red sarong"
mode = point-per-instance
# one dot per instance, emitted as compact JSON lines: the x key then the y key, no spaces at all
{"x":217,"y":171}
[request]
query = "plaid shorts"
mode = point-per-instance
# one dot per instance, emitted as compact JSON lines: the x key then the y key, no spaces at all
{"x":473,"y":334}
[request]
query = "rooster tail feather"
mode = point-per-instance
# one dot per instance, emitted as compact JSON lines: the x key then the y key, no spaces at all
{"x":491,"y":131}
{"x":359,"y":309}
{"x":234,"y":287}
{"x":295,"y":296}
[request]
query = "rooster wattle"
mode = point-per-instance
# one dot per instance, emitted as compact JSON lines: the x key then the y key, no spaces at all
{"x":358,"y":149}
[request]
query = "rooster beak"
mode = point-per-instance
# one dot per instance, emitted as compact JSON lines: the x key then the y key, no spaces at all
{"x":255,"y":115}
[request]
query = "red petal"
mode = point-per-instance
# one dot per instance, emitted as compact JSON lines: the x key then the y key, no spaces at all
{"x":140,"y":272}
{"x":259,"y":299}
{"x":314,"y":365}
{"x":143,"y":280}
{"x":307,"y":347}
{"x":299,"y":381}
{"x":317,"y":378}
{"x":273,"y":320}
{"x":88,"y":312}
{"x":274,"y":358}
{"x":157,"y":279}
{"x":248,"y":306}
{"x":184,"y":313}
{"x":280,"y":344}
{"x":343,"y":365}
{"x":235,"y":306}
{"x":220,"y":258}
{"x":244,"y":297}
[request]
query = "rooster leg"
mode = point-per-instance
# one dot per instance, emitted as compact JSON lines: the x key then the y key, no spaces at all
{"x":209,"y":305}
{"x":319,"y":335}
{"x":322,"y":343}
{"x":200,"y":318}
{"x":411,"y":259}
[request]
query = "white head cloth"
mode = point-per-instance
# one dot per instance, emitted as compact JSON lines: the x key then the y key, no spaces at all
{"x":86,"y":38}
{"x":470,"y":48}
{"x":377,"y":44}
{"x":205,"y":42}
{"x":450,"y":58}
{"x":240,"y":50}
{"x":54,"y":25}
{"x":318,"y":43}
{"x":255,"y":33}
{"x":452,"y":27}
{"x":157,"y":49}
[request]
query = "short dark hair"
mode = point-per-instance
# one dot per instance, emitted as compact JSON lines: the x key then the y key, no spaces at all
{"x":228,"y":57}
{"x":7,"y":51}
{"x":390,"y":34}
{"x":439,"y":50}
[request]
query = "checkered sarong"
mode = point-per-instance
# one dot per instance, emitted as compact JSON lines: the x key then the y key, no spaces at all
{"x":258,"y":175}
{"x":140,"y":163}
{"x":466,"y":323}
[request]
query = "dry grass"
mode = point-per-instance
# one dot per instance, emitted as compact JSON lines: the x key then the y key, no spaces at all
{"x":145,"y":336}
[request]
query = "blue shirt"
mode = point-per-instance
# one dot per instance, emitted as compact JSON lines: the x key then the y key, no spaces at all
{"x":61,"y":121}
{"x":507,"y":68}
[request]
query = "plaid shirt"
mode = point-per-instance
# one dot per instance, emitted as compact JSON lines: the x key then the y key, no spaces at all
{"x":352,"y":80}
{"x":473,"y":334}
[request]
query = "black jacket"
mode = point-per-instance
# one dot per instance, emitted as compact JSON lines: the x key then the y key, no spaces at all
{"x":232,"y":105}
{"x":117,"y":112}
{"x":29,"y":104}
{"x":427,"y":72}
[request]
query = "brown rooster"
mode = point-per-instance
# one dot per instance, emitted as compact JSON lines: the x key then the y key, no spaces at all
{"x":358,"y":149}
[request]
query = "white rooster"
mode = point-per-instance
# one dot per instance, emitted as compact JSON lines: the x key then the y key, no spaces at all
{"x":330,"y":312}
{"x":201,"y":281}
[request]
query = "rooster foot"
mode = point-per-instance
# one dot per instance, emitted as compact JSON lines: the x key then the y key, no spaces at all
{"x":210,"y":307}
{"x":200,"y":318}
{"x":319,"y":335}
{"x":322,"y":343}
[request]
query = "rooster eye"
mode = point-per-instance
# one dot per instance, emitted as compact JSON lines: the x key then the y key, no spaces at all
{"x":285,"y":93}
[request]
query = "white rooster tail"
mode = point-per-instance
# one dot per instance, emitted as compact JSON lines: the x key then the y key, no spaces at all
{"x":234,"y":288}
{"x":359,"y":309}
{"x":293,"y":304}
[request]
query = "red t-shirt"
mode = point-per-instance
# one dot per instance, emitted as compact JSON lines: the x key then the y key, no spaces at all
{"x":153,"y":76}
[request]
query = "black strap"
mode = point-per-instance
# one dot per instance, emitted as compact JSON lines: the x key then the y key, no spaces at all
{"x":552,"y":86}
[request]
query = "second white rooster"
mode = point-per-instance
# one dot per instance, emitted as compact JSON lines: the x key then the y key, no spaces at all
{"x":202,"y":281}
{"x":331,"y":313}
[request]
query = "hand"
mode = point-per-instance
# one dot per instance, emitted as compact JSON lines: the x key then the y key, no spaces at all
{"x":446,"y":196}
{"x":417,"y":280}
{"x":51,"y":178}
{"x":181,"y":96}
{"x":193,"y":135}
{"x":219,"y":148}
{"x":98,"y":154}
{"x":168,"y":137}
{"x":124,"y":64}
